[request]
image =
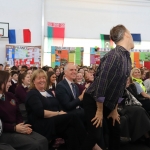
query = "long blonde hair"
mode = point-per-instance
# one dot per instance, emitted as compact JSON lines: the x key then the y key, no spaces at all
{"x":35,"y":74}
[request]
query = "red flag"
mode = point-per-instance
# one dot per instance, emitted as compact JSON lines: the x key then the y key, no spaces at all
{"x":26,"y":36}
{"x":56,"y":31}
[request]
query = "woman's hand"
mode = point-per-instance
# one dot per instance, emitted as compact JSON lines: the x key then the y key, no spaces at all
{"x":115,"y":116}
{"x":23,"y":128}
{"x":87,"y":85}
{"x":98,"y":119}
{"x":62,"y":112}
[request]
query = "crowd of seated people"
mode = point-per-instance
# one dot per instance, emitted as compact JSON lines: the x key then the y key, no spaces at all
{"x":48,"y":106}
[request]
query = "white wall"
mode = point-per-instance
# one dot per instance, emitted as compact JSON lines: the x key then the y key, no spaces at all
{"x":84,"y":19}
{"x":21,"y":14}
{"x":89,"y":18}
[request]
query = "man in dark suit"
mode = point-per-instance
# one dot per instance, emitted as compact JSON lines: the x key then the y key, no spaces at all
{"x":67,"y":92}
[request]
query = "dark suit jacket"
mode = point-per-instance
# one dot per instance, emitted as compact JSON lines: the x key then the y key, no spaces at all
{"x":65,"y":96}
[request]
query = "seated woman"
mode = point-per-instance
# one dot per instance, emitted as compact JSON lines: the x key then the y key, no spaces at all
{"x":46,"y":117}
{"x":14,"y":80}
{"x":79,"y":82}
{"x":138,"y":89}
{"x":135,"y":122}
{"x":21,"y":92}
{"x":147,"y":82}
{"x":51,"y":81}
{"x":15,"y":132}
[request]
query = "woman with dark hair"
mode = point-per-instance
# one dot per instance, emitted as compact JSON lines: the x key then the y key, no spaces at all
{"x":21,"y":92}
{"x":57,"y":72}
{"x":51,"y":81}
{"x":14,"y":80}
{"x":147,"y":82}
{"x":15,"y":132}
{"x":22,"y":88}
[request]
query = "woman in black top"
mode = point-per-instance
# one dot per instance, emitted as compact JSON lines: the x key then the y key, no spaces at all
{"x":46,"y":117}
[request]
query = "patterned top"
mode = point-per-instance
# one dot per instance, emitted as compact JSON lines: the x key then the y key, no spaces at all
{"x":111,"y":77}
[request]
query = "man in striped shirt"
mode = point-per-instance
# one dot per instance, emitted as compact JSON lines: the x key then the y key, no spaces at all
{"x":102,"y":97}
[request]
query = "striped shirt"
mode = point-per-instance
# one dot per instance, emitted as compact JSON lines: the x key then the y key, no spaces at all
{"x":111,"y":77}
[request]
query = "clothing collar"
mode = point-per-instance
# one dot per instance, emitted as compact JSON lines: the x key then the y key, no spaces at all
{"x":69,"y":82}
{"x":137,"y":80}
{"x":25,"y":86}
{"x":123,"y":49}
{"x":14,"y":81}
{"x":50,"y":87}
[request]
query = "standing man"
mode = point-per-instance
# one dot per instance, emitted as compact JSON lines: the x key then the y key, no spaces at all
{"x":102,"y":97}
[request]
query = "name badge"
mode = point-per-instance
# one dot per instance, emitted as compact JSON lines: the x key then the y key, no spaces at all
{"x":13,"y":102}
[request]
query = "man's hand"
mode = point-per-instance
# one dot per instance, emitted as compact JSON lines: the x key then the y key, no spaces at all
{"x":115,"y":116}
{"x":98,"y":119}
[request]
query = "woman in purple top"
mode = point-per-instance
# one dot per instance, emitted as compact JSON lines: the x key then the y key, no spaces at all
{"x":21,"y":92}
{"x":15,"y":132}
{"x":22,"y":88}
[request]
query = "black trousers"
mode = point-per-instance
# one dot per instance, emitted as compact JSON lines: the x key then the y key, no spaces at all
{"x":95,"y":135}
{"x":4,"y":146}
{"x":19,"y":141}
{"x":70,"y":125}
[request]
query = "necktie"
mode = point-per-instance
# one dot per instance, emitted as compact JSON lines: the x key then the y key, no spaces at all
{"x":73,"y":89}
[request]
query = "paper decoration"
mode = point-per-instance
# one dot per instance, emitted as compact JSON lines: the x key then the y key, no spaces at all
{"x":62,"y":55}
{"x":23,"y":55}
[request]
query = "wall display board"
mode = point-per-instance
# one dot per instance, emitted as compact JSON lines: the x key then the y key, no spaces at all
{"x":62,"y":55}
{"x":23,"y":55}
{"x":138,"y":56}
{"x":96,"y":54}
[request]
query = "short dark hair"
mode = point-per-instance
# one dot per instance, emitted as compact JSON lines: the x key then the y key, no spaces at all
{"x":13,"y":72}
{"x":117,"y":33}
{"x":1,"y":64}
{"x":4,"y":76}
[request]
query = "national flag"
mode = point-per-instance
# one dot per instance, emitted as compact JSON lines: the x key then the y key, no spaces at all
{"x":12,"y":36}
{"x":56,"y":33}
{"x":106,"y":42}
{"x":136,"y":37}
{"x":26,"y":36}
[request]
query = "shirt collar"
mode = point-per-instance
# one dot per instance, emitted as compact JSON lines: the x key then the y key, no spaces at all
{"x":122,"y":49}
{"x":69,"y":82}
{"x":24,"y":85}
{"x":14,"y":81}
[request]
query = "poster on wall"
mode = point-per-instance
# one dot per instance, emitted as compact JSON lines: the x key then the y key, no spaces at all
{"x":97,"y":54}
{"x":62,"y":55}
{"x":23,"y":55}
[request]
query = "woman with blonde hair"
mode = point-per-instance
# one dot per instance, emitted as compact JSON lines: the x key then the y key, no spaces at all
{"x":46,"y":117}
{"x":141,"y":92}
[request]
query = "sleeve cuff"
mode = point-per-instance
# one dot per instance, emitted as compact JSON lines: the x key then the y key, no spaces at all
{"x":120,"y":100}
{"x":101,"y":99}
